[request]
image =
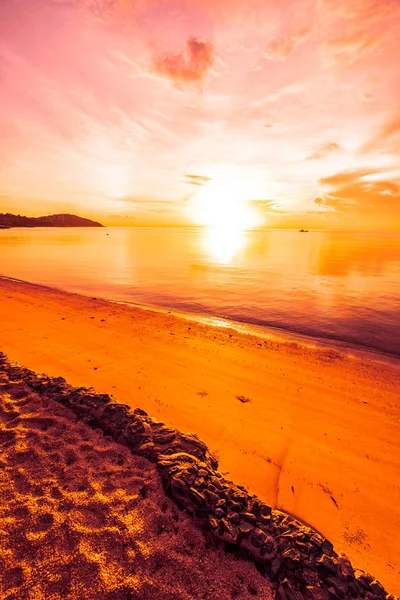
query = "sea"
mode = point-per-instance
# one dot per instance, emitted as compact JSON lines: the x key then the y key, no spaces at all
{"x":337,"y":286}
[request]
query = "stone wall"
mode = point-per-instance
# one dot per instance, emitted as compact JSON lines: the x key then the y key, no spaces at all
{"x":300,"y":562}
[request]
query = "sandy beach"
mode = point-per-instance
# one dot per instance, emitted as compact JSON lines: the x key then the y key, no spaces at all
{"x":311,"y":431}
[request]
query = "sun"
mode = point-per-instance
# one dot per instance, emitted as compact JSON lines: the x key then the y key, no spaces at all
{"x":223,"y":204}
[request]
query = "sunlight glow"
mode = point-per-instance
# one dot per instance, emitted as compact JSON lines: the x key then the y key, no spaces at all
{"x":223,"y":243}
{"x":222,"y":206}
{"x":223,"y":203}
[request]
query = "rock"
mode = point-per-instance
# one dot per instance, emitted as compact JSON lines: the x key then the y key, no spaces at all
{"x":376,"y":588}
{"x":189,"y":478}
{"x":274,"y":568}
{"x":280,"y":593}
{"x":183,"y":502}
{"x":304,"y":548}
{"x":137,"y":426}
{"x":164,"y":437}
{"x":148,"y":451}
{"x":178,"y":486}
{"x":309,"y":562}
{"x":310,"y":577}
{"x":264,"y":510}
{"x":353,"y":589}
{"x":197,"y":497}
{"x":258,"y":537}
{"x":227,"y":532}
{"x":117,"y":412}
{"x":316,"y":593}
{"x":102,"y":399}
{"x":20,"y":390}
{"x":299,"y":535}
{"x":193,"y":444}
{"x":241,"y":494}
{"x":219,"y":513}
{"x":233,"y":517}
{"x":212,"y":497}
{"x":338,"y":585}
{"x":289,"y":590}
{"x":269,"y":549}
{"x":264,"y":520}
{"x":363,"y":578}
{"x":181,"y":459}
{"x":326,"y":566}
{"x":249,"y":517}
{"x":298,"y":575}
{"x":245,"y":528}
{"x":345,"y":567}
{"x":216,"y":484}
{"x":316,"y":540}
{"x":213,"y":522}
{"x":225,"y":525}
{"x":134,"y":433}
{"x":291,"y":557}
{"x":284,"y":544}
{"x":327,"y":547}
{"x":200,"y":482}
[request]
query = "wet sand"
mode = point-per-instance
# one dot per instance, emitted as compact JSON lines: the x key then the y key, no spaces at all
{"x":311,"y":431}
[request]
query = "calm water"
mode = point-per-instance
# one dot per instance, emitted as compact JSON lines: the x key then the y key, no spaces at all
{"x":336,"y":285}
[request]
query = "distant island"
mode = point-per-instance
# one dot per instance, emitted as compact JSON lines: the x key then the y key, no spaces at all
{"x":8,"y":220}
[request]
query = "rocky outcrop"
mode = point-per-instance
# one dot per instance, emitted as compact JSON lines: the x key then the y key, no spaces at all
{"x":300,"y":562}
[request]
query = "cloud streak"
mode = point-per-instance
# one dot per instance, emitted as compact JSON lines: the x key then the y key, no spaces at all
{"x":364,"y":195}
{"x":325,"y":150}
{"x":197,"y":180}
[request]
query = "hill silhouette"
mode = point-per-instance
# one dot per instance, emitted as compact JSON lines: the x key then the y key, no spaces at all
{"x":63,"y":220}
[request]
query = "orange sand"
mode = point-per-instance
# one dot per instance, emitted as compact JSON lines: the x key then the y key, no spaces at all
{"x":318,"y":438}
{"x":83,"y":519}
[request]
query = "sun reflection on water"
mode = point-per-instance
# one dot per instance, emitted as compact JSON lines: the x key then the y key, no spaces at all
{"x":224,"y":243}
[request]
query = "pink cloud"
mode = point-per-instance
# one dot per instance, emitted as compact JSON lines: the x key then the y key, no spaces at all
{"x":190,"y":66}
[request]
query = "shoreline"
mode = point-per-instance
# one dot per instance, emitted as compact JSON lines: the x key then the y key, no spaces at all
{"x":313,"y":432}
{"x":271,"y":332}
{"x":267,"y":332}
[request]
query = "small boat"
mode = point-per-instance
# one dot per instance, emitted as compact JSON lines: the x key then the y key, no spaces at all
{"x":303,"y":230}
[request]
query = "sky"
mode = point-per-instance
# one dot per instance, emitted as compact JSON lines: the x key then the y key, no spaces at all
{"x":275,"y":113}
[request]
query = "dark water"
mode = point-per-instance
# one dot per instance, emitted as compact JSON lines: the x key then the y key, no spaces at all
{"x":342,"y":286}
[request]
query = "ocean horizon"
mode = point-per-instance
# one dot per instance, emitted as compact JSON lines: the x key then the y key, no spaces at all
{"x":338,"y":286}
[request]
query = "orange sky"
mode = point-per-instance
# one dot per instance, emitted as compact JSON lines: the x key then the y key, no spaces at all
{"x":137,"y":111}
